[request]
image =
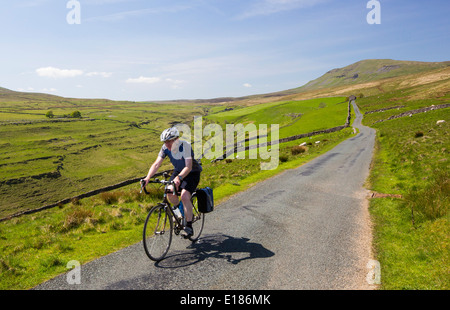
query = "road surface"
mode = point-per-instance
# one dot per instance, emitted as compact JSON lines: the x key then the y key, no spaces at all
{"x":307,"y":228}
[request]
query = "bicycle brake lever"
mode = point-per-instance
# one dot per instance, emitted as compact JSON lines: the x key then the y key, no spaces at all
{"x":142,"y":185}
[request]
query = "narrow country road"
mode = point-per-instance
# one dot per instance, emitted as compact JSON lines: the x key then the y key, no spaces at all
{"x":307,"y":228}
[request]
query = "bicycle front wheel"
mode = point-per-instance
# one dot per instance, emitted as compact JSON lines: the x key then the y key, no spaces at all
{"x":157,"y":233}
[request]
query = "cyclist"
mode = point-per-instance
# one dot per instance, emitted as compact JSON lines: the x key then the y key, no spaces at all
{"x":186,"y":173}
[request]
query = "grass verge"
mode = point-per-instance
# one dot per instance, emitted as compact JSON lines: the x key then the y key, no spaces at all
{"x":411,"y":235}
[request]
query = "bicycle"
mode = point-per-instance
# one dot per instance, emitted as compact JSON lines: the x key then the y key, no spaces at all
{"x":162,"y":221}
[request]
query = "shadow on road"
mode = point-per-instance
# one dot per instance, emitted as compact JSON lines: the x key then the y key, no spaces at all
{"x":233,"y":250}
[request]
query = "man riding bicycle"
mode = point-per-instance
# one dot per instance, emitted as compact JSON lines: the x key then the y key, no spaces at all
{"x":186,"y":173}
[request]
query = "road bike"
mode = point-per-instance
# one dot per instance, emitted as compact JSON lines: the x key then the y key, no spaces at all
{"x":164,"y":220}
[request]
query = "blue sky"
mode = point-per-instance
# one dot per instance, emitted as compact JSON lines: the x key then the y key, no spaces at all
{"x":188,"y":49}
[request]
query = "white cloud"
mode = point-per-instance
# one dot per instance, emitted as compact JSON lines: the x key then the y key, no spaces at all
{"x":247,"y":85}
{"x":53,"y":72}
{"x":174,"y":81}
{"x":58,"y":73}
{"x":144,"y":80}
{"x":102,"y":74}
{"x":174,"y":84}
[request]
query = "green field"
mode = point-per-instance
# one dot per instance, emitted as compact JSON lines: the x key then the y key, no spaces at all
{"x":293,"y":117}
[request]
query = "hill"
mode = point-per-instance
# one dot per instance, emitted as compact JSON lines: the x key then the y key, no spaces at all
{"x":4,"y":90}
{"x":7,"y":95}
{"x":368,"y":71}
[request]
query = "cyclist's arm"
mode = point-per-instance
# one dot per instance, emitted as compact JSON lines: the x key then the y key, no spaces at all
{"x":153,"y":169}
{"x":184,"y":172}
{"x":187,"y":150}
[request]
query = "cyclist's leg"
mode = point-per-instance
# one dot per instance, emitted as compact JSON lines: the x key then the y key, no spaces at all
{"x":187,"y":204}
{"x":173,"y":199}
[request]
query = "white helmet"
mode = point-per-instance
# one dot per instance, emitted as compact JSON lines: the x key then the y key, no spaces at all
{"x":169,"y":134}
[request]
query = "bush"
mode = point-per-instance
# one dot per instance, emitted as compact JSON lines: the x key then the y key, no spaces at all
{"x":52,"y":261}
{"x":418,"y":134}
{"x":284,"y":158}
{"x":49,"y":114}
{"x":110,"y":197}
{"x":298,"y":149}
{"x":77,"y":217}
{"x":75,"y":114}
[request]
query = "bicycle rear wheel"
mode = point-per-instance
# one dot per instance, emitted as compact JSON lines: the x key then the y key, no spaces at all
{"x":198,"y":220}
{"x":157,"y":233}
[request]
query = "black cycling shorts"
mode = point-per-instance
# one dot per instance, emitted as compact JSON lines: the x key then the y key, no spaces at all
{"x":190,"y":182}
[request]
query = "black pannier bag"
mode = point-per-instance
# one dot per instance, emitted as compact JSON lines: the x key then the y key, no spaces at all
{"x":205,"y":200}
